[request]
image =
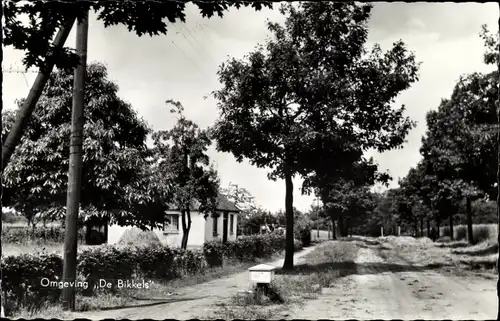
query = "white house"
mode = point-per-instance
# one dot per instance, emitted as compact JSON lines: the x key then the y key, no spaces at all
{"x":221,"y":226}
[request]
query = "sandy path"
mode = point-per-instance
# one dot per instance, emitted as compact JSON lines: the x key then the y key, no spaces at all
{"x":396,"y":290}
{"x":192,"y":301}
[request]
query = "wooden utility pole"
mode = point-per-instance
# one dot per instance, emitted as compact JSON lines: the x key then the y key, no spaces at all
{"x":30,"y":102}
{"x":498,"y":174}
{"x":75,"y":164}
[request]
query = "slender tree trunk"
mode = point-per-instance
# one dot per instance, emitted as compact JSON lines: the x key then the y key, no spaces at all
{"x":416,"y":226}
{"x":428,"y":227}
{"x":186,"y":227}
{"x":288,"y":263}
{"x":421,"y":226}
{"x":75,"y":166}
{"x":341,"y":226}
{"x":438,"y":223}
{"x":470,"y":232}
{"x":334,"y":229}
{"x":451,"y":226}
{"x":1,"y":124}
{"x":30,"y":102}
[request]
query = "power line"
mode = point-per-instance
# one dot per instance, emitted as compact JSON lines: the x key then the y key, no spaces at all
{"x":199,"y":44}
{"x":191,"y":60}
{"x":12,"y":70}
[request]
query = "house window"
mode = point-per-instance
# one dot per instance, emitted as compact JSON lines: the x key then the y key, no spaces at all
{"x":171,"y":223}
{"x":231,"y":224}
{"x":215,"y":220}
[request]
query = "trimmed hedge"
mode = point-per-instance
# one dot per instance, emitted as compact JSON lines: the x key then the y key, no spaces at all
{"x":21,"y":234}
{"x":22,"y":275}
{"x":246,"y":248}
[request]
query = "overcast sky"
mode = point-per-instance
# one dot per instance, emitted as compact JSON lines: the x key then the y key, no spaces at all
{"x":182,"y":66}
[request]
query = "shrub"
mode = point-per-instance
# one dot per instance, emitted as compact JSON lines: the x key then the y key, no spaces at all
{"x":11,"y":217}
{"x":482,"y":232}
{"x":246,"y":248}
{"x":22,"y":234}
{"x":22,"y":280}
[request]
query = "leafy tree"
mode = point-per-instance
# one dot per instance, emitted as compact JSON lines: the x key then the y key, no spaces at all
{"x":141,"y":17}
{"x":461,"y":135}
{"x":312,"y":95}
{"x":45,"y":17}
{"x":244,"y":200}
{"x":183,"y":163}
{"x":118,"y":179}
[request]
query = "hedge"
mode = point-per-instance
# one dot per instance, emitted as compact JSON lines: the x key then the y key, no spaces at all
{"x":246,"y":248}
{"x":21,"y":234}
{"x":22,"y":275}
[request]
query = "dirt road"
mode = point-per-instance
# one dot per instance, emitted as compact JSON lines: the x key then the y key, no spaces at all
{"x":191,"y":302}
{"x":389,"y":287}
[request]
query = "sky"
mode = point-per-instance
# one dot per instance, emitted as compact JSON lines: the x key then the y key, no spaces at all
{"x":182,"y":66}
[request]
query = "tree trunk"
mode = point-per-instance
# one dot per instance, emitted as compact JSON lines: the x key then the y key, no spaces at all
{"x":289,"y":249}
{"x":451,"y":226}
{"x":23,"y":116}
{"x":470,"y":232}
{"x":438,"y":223}
{"x":334,"y":228}
{"x":186,"y":227}
{"x":416,"y":226}
{"x":1,"y":130}
{"x":341,"y":226}
{"x":421,"y":226}
{"x":75,"y":165}
{"x":428,"y":227}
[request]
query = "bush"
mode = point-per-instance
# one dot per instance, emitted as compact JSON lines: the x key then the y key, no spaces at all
{"x":22,"y":275}
{"x":22,"y":234}
{"x":482,"y":232}
{"x":22,"y":280}
{"x":246,"y":248}
{"x":11,"y":217}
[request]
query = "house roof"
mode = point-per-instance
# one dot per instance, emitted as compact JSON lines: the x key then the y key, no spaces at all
{"x":223,"y":204}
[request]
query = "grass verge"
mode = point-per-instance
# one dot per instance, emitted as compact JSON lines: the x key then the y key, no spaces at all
{"x":325,"y":264}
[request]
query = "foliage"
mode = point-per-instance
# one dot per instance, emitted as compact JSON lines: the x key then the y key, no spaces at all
{"x":325,"y":99}
{"x":142,"y":17}
{"x":183,"y":162}
{"x":21,"y":279}
{"x":460,"y":138}
{"x":245,"y":248}
{"x":21,"y":275}
{"x":20,"y":235}
{"x":118,"y":176}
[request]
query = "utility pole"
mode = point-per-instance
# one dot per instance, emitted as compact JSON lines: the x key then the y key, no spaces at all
{"x":75,"y":164}
{"x":498,"y":178}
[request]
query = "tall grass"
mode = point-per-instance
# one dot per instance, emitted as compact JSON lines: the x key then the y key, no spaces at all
{"x":482,"y":232}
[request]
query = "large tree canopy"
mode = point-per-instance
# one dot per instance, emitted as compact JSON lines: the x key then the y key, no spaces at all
{"x":461,"y":137}
{"x":313,"y":95}
{"x":117,"y":173}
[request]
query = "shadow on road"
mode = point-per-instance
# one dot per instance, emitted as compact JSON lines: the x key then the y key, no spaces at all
{"x":348,"y":268}
{"x":452,"y":245}
{"x":160,"y":301}
{"x":492,"y":249}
